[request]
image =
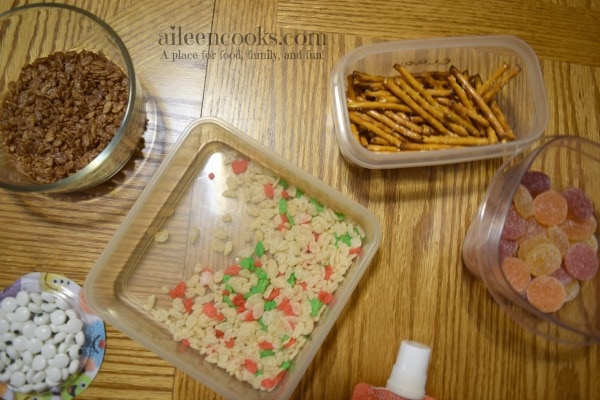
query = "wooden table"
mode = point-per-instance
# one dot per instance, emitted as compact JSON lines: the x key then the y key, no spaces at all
{"x":417,"y":287}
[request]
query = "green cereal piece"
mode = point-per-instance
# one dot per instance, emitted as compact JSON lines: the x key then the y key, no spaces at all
{"x":263,"y":326}
{"x":315,"y":306}
{"x":226,"y":278}
{"x":260,"y":287}
{"x":270,"y":305}
{"x":247,"y":263}
{"x":259,"y":372}
{"x":227,"y":300}
{"x":266,"y":353}
{"x":318,"y":205}
{"x":290,"y":219}
{"x":292,"y":279}
{"x":282,"y":205}
{"x":344,"y":238}
{"x":286,"y":365}
{"x":229,"y":289}
{"x":285,"y":338}
{"x":299,"y":193}
{"x":283,"y":184}
{"x":260,"y":248}
{"x":261,"y":274}
{"x":341,"y":216}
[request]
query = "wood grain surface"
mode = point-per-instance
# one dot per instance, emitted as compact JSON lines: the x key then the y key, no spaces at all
{"x":417,"y":286}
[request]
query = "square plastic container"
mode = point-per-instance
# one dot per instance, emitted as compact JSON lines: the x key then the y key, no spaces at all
{"x":523,"y":100}
{"x":171,"y":233}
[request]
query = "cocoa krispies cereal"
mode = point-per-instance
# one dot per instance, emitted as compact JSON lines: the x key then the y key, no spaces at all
{"x":253,"y":316}
{"x":61,"y":113}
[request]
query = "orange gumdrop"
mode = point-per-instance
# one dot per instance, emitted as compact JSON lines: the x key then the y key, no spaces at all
{"x":550,"y":208}
{"x":546,"y":293}
{"x":517,"y":273}
{"x":543,"y":259}
{"x":579,"y":230}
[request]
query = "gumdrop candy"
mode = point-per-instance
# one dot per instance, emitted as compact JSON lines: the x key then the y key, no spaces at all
{"x":514,"y":225}
{"x":527,"y":245}
{"x":546,"y":293}
{"x":507,"y":248}
{"x":517,"y":273}
{"x":577,"y":231}
{"x":543,"y":259}
{"x":550,"y":208}
{"x":581,"y":261}
{"x":523,"y":202}
{"x":559,"y":238}
{"x":536,"y":182}
{"x":580,"y":205}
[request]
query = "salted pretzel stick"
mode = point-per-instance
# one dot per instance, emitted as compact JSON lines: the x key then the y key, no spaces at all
{"x":355,"y":132}
{"x":351,"y":92}
{"x":426,"y":146}
{"x":364,"y":77}
{"x":375,"y":129}
{"x":501,"y":83}
{"x":495,"y":76}
{"x":417,"y":108}
{"x":459,"y":141}
{"x":460,"y":93}
{"x":441,"y":112}
{"x":432,"y":82}
{"x":402,"y":130}
{"x":500,"y":115}
{"x":491,"y":135}
{"x":479,"y":101}
{"x":382,"y":149}
{"x":404,"y":120}
{"x":377,"y":105}
{"x":470,"y":113}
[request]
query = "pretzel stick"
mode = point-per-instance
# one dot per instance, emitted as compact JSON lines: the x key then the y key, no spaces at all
{"x":375,"y":129}
{"x":500,"y":115}
{"x":479,"y":101}
{"x":363,"y":77}
{"x":351,"y":92}
{"x":458,"y":90}
{"x":442,"y":112}
{"x":376,"y":105}
{"x":426,"y":146}
{"x":417,"y":108}
{"x":404,"y":120}
{"x":395,"y":126}
{"x":460,"y":141}
{"x":501,"y":83}
{"x":382,"y":149}
{"x":495,"y":76}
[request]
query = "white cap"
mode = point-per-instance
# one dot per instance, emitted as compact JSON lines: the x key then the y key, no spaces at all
{"x":409,"y":374}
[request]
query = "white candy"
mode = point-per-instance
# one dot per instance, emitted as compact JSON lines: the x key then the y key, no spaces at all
{"x":40,"y":341}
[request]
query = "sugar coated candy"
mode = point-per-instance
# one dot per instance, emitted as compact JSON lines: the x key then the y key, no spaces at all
{"x":536,"y":182}
{"x":580,"y":205}
{"x":581,"y":261}
{"x":514,"y":225}
{"x":546,"y":293}
{"x":543,"y":259}
{"x":523,"y":202}
{"x":517,"y":273}
{"x":550,"y":208}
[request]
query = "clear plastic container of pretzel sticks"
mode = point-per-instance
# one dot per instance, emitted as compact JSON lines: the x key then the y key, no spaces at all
{"x":435,"y":101}
{"x":233,"y":264}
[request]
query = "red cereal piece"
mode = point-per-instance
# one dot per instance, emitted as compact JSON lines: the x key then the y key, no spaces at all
{"x":328,"y":272}
{"x":523,"y":202}
{"x":183,"y":346}
{"x":258,"y":263}
{"x":269,"y":190}
{"x":266,"y":345}
{"x":286,"y":307}
{"x":285,"y":194}
{"x":178,"y":291}
{"x":325,"y":297}
{"x":233,"y":270}
{"x":579,"y":230}
{"x":210,"y":310}
{"x":289,"y":343}
{"x":250,"y":366}
{"x":188,"y":304}
{"x":581,"y":261}
{"x":211,"y":176}
{"x":550,"y":208}
{"x":268,"y":383}
{"x":355,"y":250}
{"x":543,"y":259}
{"x":274,"y":293}
{"x":580,"y":205}
{"x":546,"y":293}
{"x":517,"y":273}
{"x":239,"y":166}
{"x":514,"y":225}
{"x":230,"y":343}
{"x":536,"y":182}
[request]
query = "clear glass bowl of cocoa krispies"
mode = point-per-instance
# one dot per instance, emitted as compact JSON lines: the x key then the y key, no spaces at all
{"x":71,"y":107}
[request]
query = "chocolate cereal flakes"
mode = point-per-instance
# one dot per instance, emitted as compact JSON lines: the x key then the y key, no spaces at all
{"x":61,"y":113}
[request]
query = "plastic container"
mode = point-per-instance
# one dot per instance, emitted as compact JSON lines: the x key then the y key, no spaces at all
{"x":523,"y":100}
{"x":29,"y":33}
{"x":170,"y":234}
{"x":569,"y":162}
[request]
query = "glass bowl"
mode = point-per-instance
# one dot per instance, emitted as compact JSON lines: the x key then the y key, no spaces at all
{"x":33,"y":33}
{"x":499,"y":232}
